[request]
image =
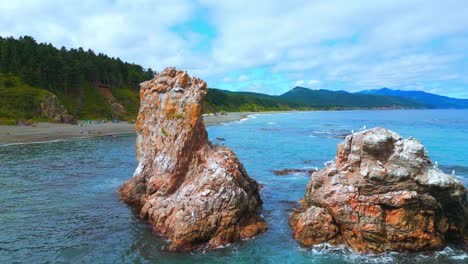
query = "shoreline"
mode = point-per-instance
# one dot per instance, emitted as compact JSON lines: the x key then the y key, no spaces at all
{"x":46,"y":132}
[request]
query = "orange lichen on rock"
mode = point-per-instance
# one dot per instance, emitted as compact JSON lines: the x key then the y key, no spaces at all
{"x":194,"y":193}
{"x":382,"y":193}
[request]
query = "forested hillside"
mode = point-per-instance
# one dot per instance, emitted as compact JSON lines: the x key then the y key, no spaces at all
{"x":220,"y":100}
{"x":96,"y":86}
{"x":326,"y":99}
{"x":431,"y":100}
{"x":89,"y":85}
{"x":64,"y":70}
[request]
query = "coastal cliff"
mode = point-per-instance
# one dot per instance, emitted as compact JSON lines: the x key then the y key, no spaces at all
{"x":194,"y":193}
{"x":382,"y":193}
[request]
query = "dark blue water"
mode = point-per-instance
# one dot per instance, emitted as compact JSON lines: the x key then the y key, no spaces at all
{"x":58,"y":201}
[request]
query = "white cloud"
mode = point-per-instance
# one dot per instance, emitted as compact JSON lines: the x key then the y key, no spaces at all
{"x":300,"y":83}
{"x":243,"y":78}
{"x":313,"y":82}
{"x":136,"y":31}
{"x":366,"y":44}
{"x":307,"y":83}
{"x":356,"y":44}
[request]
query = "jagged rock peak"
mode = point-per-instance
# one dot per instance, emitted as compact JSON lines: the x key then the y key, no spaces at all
{"x":194,"y":193}
{"x":382,"y":193}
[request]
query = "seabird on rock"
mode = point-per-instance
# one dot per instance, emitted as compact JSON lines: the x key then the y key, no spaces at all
{"x":194,"y":215}
{"x":178,"y":89}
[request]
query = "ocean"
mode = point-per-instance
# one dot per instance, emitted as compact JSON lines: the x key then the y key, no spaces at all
{"x":59,"y":202}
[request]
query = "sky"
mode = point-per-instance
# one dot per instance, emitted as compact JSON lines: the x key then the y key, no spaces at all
{"x":266,"y":46}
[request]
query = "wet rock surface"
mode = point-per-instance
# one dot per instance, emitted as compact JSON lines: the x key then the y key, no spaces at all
{"x":196,"y":194}
{"x":382,"y":193}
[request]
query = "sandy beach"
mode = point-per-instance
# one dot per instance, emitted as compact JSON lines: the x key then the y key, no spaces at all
{"x":54,"y":131}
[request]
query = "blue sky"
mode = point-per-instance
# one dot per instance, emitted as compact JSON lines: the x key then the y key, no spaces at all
{"x":267,"y":46}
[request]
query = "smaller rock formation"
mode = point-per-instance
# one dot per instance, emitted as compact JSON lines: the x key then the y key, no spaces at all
{"x":194,"y":193}
{"x":52,"y":109}
{"x":382,"y":193}
{"x":291,"y":171}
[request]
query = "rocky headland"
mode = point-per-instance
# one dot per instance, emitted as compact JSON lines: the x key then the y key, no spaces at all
{"x":382,"y":193}
{"x":194,"y":193}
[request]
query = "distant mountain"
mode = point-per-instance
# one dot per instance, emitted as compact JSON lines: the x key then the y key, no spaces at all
{"x":301,"y":98}
{"x":340,"y":99}
{"x":431,"y":100}
{"x":221,"y":100}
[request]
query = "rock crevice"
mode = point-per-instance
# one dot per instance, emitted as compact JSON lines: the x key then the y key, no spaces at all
{"x":193,"y":192}
{"x":382,"y":193}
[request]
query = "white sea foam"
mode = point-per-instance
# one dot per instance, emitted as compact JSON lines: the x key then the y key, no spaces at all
{"x":322,"y":132}
{"x":390,"y":257}
{"x":262,"y":114}
{"x":63,"y":139}
{"x":460,"y":257}
{"x":34,"y":142}
{"x":247,"y":118}
{"x":238,"y":121}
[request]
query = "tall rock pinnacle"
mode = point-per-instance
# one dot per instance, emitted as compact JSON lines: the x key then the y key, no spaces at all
{"x":194,"y":193}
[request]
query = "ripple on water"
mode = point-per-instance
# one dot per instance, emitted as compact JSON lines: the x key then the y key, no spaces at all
{"x":59,"y":200}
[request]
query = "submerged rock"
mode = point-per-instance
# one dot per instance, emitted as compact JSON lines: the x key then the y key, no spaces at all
{"x":291,"y":171}
{"x":382,"y":193}
{"x":194,"y":193}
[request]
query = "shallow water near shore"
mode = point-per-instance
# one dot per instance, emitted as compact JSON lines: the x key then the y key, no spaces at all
{"x":59,"y":200}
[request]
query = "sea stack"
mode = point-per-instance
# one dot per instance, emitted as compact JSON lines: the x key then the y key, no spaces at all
{"x":382,"y":193}
{"x":194,"y":193}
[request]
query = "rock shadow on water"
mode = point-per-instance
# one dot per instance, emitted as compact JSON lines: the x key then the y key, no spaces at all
{"x":289,"y":205}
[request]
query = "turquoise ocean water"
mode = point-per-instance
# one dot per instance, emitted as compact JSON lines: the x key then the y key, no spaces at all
{"x":58,"y":202}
